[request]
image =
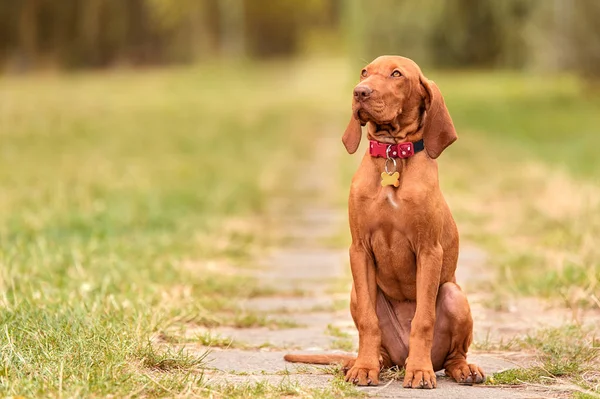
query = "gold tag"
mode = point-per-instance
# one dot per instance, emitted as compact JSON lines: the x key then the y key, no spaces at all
{"x":390,"y":180}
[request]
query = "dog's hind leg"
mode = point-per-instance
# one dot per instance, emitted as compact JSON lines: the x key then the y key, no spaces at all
{"x":451,"y":339}
{"x":455,"y":323}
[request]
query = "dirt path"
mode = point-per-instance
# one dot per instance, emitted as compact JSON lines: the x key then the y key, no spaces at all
{"x":317,"y":273}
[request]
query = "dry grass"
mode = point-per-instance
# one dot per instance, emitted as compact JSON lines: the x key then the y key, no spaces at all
{"x":538,"y":222}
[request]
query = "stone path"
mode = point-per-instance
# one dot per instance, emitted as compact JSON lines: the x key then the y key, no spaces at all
{"x":306,"y":265}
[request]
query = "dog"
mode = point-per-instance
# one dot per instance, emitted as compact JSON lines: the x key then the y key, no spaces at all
{"x":405,"y":302}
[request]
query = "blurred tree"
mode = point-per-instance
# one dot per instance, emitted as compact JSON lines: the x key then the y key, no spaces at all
{"x":451,"y":33}
{"x":276,"y":27}
{"x":183,"y":28}
{"x":232,"y":27}
{"x":513,"y":18}
{"x":391,"y":27}
{"x":354,"y":31}
{"x":468,"y":32}
{"x":28,"y":33}
{"x":557,"y":34}
{"x":583,"y":17}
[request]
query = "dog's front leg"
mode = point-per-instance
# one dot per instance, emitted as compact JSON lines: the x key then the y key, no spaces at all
{"x":365,"y":370}
{"x":419,"y":370}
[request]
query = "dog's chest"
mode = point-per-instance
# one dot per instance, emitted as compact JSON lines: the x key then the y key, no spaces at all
{"x":390,"y":228}
{"x":388,"y":209}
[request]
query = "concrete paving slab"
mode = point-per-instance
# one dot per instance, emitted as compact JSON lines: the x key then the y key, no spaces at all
{"x":269,"y":366}
{"x":306,"y":264}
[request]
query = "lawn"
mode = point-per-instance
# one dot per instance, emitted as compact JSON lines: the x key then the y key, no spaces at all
{"x":523,"y":179}
{"x":134,"y":200}
{"x":552,"y":118}
{"x":130,"y":201}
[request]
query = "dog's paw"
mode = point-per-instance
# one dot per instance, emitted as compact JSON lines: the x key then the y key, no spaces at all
{"x":464,"y":373}
{"x":419,"y":377}
{"x":363,"y":375}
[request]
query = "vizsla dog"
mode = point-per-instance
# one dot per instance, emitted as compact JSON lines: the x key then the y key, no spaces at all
{"x":405,"y":302}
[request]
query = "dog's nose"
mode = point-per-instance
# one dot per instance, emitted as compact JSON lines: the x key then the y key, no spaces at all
{"x":362,"y":92}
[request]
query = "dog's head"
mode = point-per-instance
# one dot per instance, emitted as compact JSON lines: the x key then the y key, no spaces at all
{"x":399,"y":104}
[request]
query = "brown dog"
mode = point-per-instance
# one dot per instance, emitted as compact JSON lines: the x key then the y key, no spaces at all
{"x":405,"y":302}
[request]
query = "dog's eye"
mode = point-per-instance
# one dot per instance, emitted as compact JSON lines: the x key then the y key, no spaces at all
{"x":396,"y":74}
{"x":363,"y":73}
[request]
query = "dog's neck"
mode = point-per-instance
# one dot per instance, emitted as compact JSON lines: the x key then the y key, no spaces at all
{"x":407,"y":126}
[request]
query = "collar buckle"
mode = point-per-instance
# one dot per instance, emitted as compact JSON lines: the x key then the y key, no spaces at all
{"x":406,"y":150}
{"x":400,"y":150}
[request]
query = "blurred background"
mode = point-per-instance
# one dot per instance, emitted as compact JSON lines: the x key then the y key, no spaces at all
{"x":152,"y":152}
{"x":518,"y":34}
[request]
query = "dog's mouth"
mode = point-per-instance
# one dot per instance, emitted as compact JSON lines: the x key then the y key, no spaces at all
{"x":378,"y":116}
{"x":383,"y":121}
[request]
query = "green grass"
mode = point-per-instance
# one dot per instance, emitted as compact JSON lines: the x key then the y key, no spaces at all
{"x":555,"y":118}
{"x":523,"y":179}
{"x":118,"y":192}
{"x":569,"y":353}
{"x":519,"y":376}
{"x":342,"y":340}
{"x":135,"y":201}
{"x":286,"y":388}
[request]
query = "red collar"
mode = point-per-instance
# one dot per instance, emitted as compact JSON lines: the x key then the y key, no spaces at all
{"x":400,"y":150}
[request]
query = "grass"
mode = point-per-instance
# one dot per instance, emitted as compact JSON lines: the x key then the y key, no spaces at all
{"x":569,"y":353}
{"x":537,"y":220}
{"x":520,"y":376}
{"x":135,"y":201}
{"x":342,"y":340}
{"x":394,"y":373}
{"x":169,"y":360}
{"x":286,"y":388}
{"x":130,"y":202}
{"x":554,"y":118}
{"x":523,"y":180}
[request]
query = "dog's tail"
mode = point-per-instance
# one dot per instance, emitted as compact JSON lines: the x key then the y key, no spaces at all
{"x":319,"y":359}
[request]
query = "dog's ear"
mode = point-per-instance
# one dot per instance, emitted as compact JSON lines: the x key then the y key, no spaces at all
{"x":352,"y":135}
{"x":438,"y":129}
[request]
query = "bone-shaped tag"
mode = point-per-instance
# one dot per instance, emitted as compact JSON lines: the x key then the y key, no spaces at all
{"x":390,"y":180}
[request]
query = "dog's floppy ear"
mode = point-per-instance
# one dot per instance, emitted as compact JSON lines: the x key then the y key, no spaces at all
{"x":352,"y":135}
{"x":438,"y":129}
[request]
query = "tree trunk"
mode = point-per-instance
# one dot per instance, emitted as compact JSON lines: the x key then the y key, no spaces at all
{"x":231,"y":14}
{"x":28,"y":42}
